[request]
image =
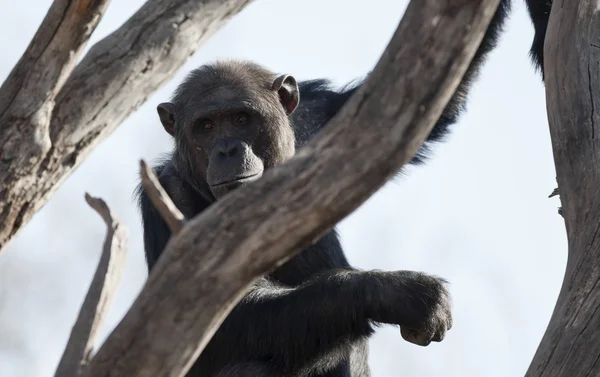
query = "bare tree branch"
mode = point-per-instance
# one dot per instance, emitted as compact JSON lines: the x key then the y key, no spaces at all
{"x":27,"y":96}
{"x":112,"y":81}
{"x":571,"y":345}
{"x":161,"y":200}
{"x":256,"y":228}
{"x":100,"y":294}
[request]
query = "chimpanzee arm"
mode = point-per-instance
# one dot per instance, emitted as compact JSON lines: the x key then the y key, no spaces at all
{"x":292,"y":327}
{"x":319,"y":102}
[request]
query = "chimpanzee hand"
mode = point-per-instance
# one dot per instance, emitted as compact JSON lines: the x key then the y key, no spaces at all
{"x":419,"y":303}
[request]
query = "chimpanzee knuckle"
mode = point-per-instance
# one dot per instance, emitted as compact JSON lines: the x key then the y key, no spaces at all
{"x":419,"y":338}
{"x":440,"y":334}
{"x":431,"y":329}
{"x":427,"y":310}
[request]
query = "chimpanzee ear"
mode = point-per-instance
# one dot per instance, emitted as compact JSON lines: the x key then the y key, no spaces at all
{"x":166,"y":112}
{"x":289,"y":95}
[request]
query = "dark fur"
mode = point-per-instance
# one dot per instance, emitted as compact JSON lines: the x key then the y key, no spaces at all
{"x":539,"y":11}
{"x":313,"y":315}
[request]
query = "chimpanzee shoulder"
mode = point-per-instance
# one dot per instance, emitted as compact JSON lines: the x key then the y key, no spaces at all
{"x":319,"y":102}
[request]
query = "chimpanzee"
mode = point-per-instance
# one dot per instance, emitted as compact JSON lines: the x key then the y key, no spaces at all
{"x":312,"y":316}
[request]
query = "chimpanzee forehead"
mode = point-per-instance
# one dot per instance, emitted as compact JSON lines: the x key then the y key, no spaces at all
{"x":222,"y":95}
{"x":224,"y":99}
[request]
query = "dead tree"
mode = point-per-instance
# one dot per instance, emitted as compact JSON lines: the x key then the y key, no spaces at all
{"x":571,"y":345}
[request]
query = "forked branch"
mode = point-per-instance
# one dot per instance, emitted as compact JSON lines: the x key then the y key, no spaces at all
{"x":27,"y":96}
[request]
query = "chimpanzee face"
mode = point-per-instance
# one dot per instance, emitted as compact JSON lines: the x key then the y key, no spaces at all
{"x":227,"y":134}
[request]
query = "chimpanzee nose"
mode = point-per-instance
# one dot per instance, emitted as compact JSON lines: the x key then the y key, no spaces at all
{"x":227,"y":147}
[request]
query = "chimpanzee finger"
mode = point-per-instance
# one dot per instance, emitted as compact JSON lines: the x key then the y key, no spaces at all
{"x":415,"y":337}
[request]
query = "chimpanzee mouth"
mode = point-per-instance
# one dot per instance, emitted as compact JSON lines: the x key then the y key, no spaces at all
{"x":239,"y":180}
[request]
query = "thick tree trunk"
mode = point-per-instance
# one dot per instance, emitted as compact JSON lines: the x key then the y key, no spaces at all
{"x":217,"y":255}
{"x":571,"y":345}
{"x":47,"y":128}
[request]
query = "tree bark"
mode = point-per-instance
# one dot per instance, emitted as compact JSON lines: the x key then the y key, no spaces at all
{"x":43,"y":138}
{"x":217,"y":255}
{"x":161,"y":200}
{"x":99,"y":296}
{"x":27,"y":96}
{"x":571,"y":344}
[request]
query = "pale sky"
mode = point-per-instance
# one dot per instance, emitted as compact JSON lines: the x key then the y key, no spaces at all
{"x":478,"y":214}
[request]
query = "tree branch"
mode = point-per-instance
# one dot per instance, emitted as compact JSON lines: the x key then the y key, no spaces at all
{"x":100,"y":294}
{"x":207,"y":267}
{"x":161,"y":200}
{"x":27,"y":96}
{"x":571,"y":346}
{"x":112,"y":81}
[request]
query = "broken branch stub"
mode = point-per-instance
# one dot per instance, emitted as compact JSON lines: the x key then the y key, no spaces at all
{"x":161,"y":200}
{"x":99,"y":296}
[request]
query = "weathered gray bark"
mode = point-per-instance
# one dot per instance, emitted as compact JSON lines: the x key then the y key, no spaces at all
{"x":571,"y":345}
{"x":47,"y":128}
{"x":100,"y":294}
{"x":27,"y":96}
{"x":217,"y":255}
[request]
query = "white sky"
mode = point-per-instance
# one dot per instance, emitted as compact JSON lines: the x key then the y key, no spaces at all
{"x":477,"y":214}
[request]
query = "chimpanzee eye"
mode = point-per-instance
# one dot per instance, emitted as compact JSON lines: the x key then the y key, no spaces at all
{"x":241,"y":118}
{"x":206,"y":124}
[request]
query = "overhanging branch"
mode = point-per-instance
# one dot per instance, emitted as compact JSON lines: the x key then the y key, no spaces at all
{"x":207,"y":267}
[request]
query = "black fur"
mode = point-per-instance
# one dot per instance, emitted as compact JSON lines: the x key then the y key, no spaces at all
{"x":539,"y":11}
{"x":313,"y":315}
